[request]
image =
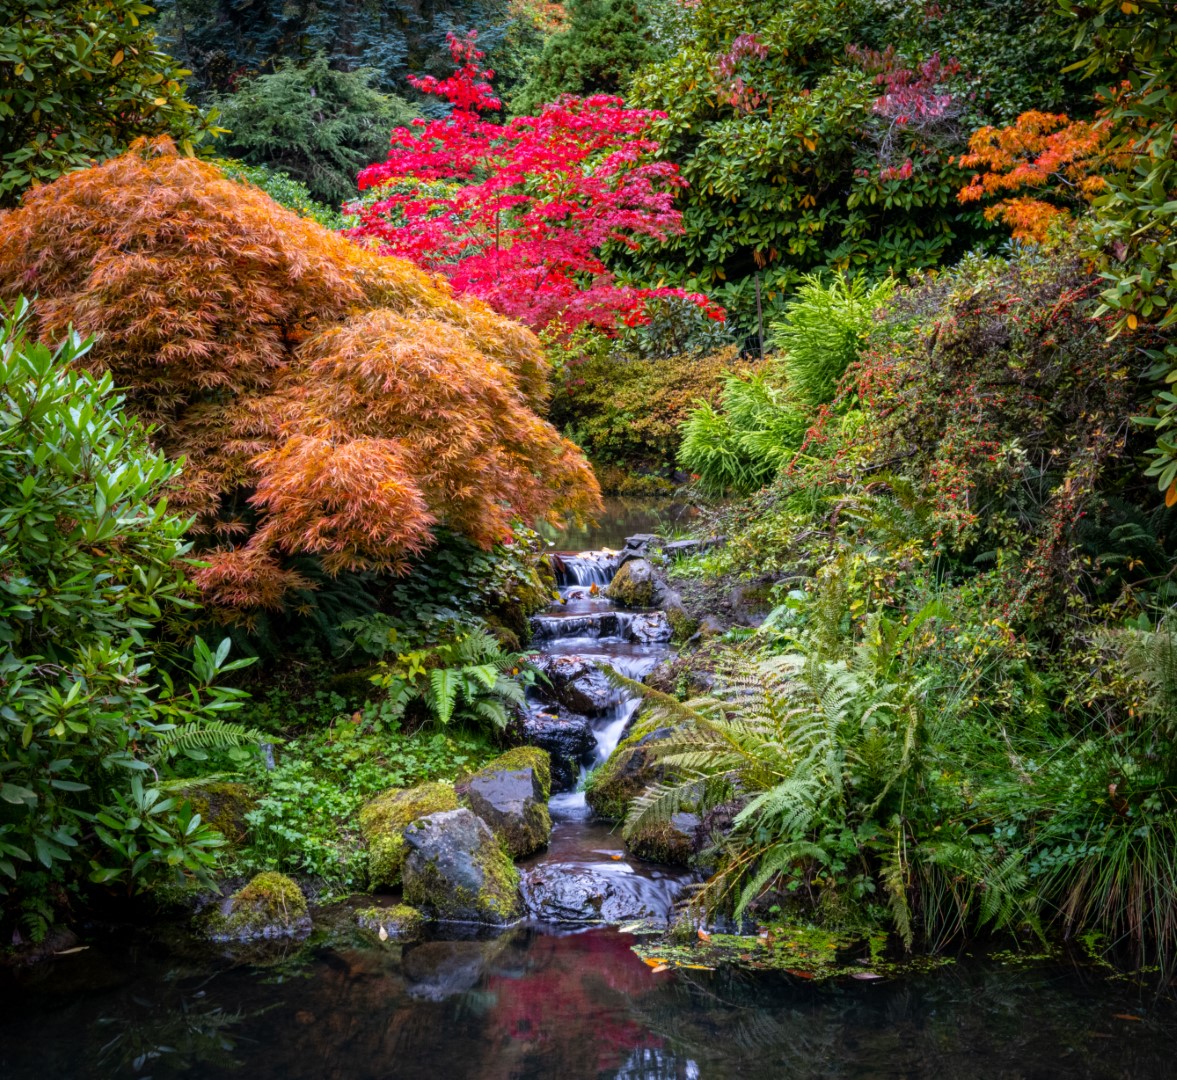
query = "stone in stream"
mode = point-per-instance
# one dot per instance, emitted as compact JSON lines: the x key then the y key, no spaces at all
{"x":270,"y":906}
{"x":575,"y":683}
{"x":573,"y":893}
{"x":652,"y":628}
{"x":629,"y":770}
{"x":673,"y":841}
{"x":457,"y":871}
{"x":635,"y":585}
{"x":398,"y":923}
{"x":383,"y":822}
{"x":510,"y":795}
{"x":568,"y":739}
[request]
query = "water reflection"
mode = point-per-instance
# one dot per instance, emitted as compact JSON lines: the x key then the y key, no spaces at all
{"x":533,"y":1004}
{"x":624,"y":516}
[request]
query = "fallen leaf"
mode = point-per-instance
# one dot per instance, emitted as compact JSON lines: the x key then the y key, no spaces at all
{"x":653,"y":961}
{"x":864,"y":975}
{"x":660,"y":967}
{"x":800,"y":974}
{"x":617,"y":858}
{"x":631,"y":928}
{"x":703,"y":935}
{"x":383,"y":935}
{"x":697,"y":967}
{"x":1128,"y":1016}
{"x":70,"y":952}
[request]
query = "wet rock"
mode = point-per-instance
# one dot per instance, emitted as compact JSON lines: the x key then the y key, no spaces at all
{"x":673,"y":841}
{"x":575,"y":683}
{"x":677,"y":548}
{"x":651,"y":628}
{"x":270,"y":906}
{"x":524,"y":757}
{"x":709,"y":626}
{"x":399,"y":922}
{"x":456,"y":870}
{"x":222,"y":804}
{"x":568,"y":739}
{"x":571,"y":893}
{"x":634,"y":585}
{"x":383,"y":822}
{"x":630,"y":769}
{"x":512,"y":802}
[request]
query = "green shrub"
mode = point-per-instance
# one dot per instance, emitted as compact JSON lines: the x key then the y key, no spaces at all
{"x":79,"y":81}
{"x":285,"y":191}
{"x":92,"y":562}
{"x":319,"y":125}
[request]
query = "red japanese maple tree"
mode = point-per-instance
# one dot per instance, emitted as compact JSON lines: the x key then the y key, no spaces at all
{"x":517,"y":213}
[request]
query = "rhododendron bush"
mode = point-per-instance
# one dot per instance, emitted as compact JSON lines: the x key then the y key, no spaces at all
{"x":329,"y":401}
{"x":517,"y":213}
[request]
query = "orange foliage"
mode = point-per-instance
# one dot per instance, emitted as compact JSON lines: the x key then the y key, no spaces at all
{"x":329,"y":401}
{"x":1045,"y":151}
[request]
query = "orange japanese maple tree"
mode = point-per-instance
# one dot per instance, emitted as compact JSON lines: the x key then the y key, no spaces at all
{"x":329,"y":401}
{"x":1038,"y":168}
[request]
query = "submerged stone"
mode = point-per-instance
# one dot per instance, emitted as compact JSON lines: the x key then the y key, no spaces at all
{"x":456,"y":870}
{"x":383,"y":822}
{"x":270,"y":906}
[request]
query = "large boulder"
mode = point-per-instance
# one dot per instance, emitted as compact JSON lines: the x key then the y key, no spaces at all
{"x":511,"y":797}
{"x":576,"y":893}
{"x":673,"y":841}
{"x":629,"y":770}
{"x":456,"y":870}
{"x":568,"y":739}
{"x":383,"y":822}
{"x":270,"y":906}
{"x":635,"y":584}
{"x":576,"y":683}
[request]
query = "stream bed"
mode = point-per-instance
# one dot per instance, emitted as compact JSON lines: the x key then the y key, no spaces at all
{"x":550,"y":998}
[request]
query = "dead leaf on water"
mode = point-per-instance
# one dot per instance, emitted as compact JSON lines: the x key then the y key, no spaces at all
{"x":864,"y":975}
{"x":697,"y":967}
{"x":383,"y":935}
{"x":653,"y":961}
{"x":703,"y":935}
{"x":660,"y":967}
{"x":1128,"y":1016}
{"x":70,"y":952}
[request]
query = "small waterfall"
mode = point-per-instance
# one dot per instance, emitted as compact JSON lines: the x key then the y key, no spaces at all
{"x":585,"y":568}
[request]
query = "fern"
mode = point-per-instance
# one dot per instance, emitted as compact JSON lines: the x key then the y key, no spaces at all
{"x":207,"y":736}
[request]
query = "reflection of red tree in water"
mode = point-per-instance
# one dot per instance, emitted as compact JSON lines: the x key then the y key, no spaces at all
{"x":571,"y":1010}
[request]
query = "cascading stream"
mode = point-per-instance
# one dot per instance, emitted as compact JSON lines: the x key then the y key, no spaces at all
{"x":585,"y":874}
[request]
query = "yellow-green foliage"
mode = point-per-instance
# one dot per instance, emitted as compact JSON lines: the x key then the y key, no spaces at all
{"x":628,"y":411}
{"x":384,"y":820}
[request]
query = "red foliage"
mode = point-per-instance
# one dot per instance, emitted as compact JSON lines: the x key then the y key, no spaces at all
{"x":527,"y":205}
{"x":329,"y":401}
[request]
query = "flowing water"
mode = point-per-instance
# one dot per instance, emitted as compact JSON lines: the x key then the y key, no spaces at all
{"x":543,"y":1001}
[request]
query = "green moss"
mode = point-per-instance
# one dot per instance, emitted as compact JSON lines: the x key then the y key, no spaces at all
{"x":514,"y":613}
{"x":223,"y":804}
{"x":682,"y":624}
{"x":624,"y":590}
{"x":617,"y":781}
{"x":271,"y":905}
{"x":662,"y":842}
{"x":525,"y":757}
{"x":400,"y":922}
{"x":383,"y":822}
{"x":497,"y":901}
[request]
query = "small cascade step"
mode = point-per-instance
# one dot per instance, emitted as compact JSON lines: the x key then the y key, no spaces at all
{"x":645,"y":627}
{"x":586,"y":568}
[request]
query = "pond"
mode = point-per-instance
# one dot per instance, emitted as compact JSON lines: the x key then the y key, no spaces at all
{"x":535,"y":1003}
{"x":624,"y":516}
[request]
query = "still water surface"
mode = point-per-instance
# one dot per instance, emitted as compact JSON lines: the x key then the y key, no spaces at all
{"x":534,"y":1004}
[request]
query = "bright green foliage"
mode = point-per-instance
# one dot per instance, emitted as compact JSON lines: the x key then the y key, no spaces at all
{"x":79,"y":80}
{"x":794,"y":166}
{"x":605,"y":43}
{"x":285,"y":191}
{"x":465,"y":678}
{"x":92,"y":560}
{"x":1136,"y":218}
{"x":764,"y":416}
{"x":319,"y":125}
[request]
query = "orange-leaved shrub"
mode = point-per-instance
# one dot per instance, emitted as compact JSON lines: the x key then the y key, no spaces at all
{"x":329,"y":401}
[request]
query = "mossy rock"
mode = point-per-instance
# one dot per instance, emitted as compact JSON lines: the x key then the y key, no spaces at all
{"x":399,"y":922}
{"x":383,"y":822}
{"x":523,"y":757}
{"x":681,"y":623}
{"x":223,"y":804}
{"x":635,"y":585}
{"x":514,"y":612}
{"x":270,"y":906}
{"x":671,"y":841}
{"x":629,"y":770}
{"x":457,"y":870}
